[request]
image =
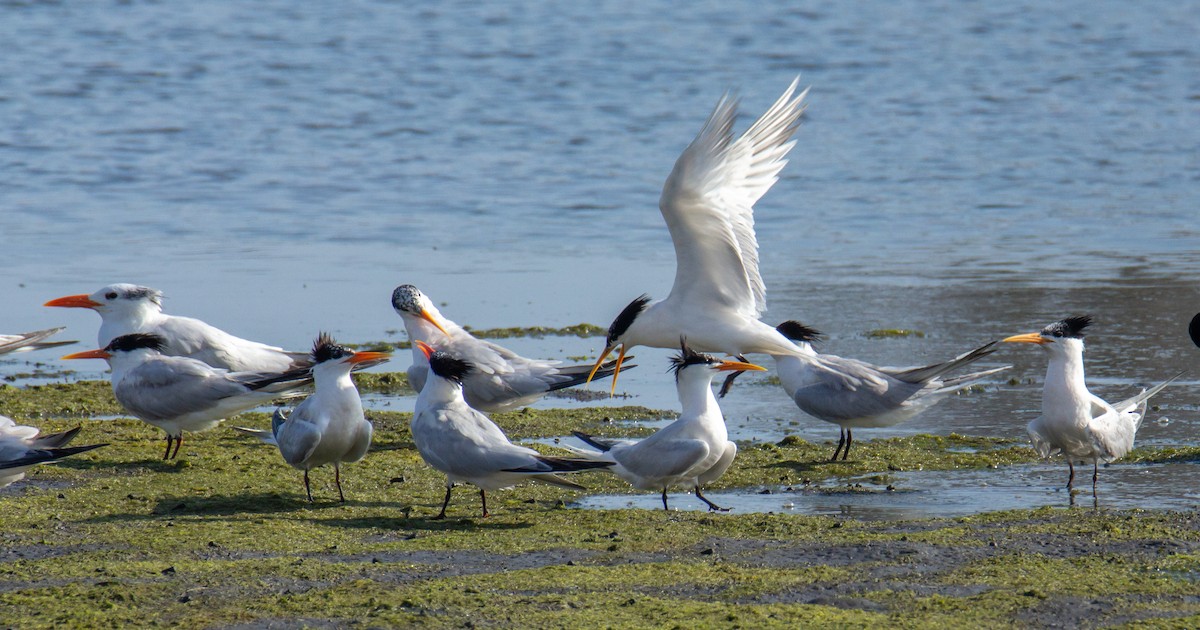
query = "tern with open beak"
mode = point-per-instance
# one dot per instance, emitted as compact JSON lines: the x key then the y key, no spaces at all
{"x":708,"y":205}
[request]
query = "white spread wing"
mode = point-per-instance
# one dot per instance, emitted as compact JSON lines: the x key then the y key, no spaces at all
{"x":708,"y":204}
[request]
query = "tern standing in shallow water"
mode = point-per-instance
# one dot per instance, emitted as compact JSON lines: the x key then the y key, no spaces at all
{"x":502,"y":380}
{"x":1074,"y":421}
{"x":22,"y":448}
{"x":691,"y":451}
{"x":708,"y":204}
{"x":468,"y":447}
{"x":855,"y":394}
{"x":128,"y":308}
{"x":178,"y":394}
{"x":328,"y":427}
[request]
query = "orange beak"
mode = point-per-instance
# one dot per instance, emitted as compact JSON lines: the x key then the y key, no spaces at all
{"x":424,"y":314}
{"x":426,"y":348}
{"x":74,"y":301}
{"x":616,"y":370}
{"x":89,"y":354}
{"x":1028,"y":338}
{"x":363,"y":357}
{"x":738,"y":366}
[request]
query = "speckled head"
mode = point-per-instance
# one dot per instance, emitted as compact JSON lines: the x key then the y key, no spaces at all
{"x":407,"y":298}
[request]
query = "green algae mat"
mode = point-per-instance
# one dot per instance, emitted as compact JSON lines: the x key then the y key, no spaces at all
{"x":222,"y":537}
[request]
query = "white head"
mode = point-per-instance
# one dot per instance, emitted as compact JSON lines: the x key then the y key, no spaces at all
{"x":119,"y":300}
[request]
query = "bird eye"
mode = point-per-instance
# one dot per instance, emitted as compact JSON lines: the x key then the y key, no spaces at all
{"x":111,"y":295}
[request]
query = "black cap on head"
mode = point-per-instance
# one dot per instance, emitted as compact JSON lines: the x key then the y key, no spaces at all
{"x":136,"y":341}
{"x":796,"y":331}
{"x":1069,"y":328}
{"x":687,"y":357}
{"x":325,"y":348}
{"x":448,"y":367}
{"x":625,"y":319}
{"x":1194,"y":330}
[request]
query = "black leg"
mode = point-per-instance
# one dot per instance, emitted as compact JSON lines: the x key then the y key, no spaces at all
{"x":307,"y":489}
{"x":712,"y":507}
{"x":167,"y":455}
{"x":849,"y":440}
{"x":841,"y":442}
{"x":178,"y":443}
{"x":337,"y":476}
{"x":1071,"y":479}
{"x":729,"y":379}
{"x":483,"y":501}
{"x":445,"y":502}
{"x":664,"y":498}
{"x":1095,"y":475}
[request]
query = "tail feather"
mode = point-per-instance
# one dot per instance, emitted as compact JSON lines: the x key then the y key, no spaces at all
{"x":42,"y":455}
{"x":555,"y":480}
{"x":55,"y":440}
{"x":560,"y":465}
{"x":579,"y":373}
{"x":600,"y":444}
{"x":262,"y":434}
{"x":1140,"y":400}
{"x":30,"y":340}
{"x":967,"y":379}
{"x":928,"y":373}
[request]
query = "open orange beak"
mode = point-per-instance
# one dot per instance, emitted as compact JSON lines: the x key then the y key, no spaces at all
{"x":74,"y":301}
{"x":424,"y":314}
{"x":1028,"y":338}
{"x":363,"y":357}
{"x":738,"y":366}
{"x":616,"y":370}
{"x":426,"y":348}
{"x":89,"y":354}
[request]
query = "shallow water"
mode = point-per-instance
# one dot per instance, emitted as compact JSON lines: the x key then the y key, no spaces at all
{"x":967,"y":171}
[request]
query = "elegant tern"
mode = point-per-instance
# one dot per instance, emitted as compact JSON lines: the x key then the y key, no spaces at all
{"x":691,"y":451}
{"x":129,"y":308}
{"x":1075,"y":422}
{"x":854,"y":394}
{"x":501,"y":380}
{"x":21,"y":448}
{"x":468,"y":447}
{"x":178,"y":394}
{"x":708,"y":205}
{"x":328,"y":427}
{"x":24,"y":342}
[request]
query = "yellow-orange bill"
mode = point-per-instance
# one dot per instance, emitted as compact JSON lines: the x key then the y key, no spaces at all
{"x":362,"y":357}
{"x":1027,"y":338}
{"x":603,"y":355}
{"x":738,"y":366}
{"x":89,"y":354}
{"x":617,"y":370}
{"x":74,"y":301}
{"x":429,"y":318}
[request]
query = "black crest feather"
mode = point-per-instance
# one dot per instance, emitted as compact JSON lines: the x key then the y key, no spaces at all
{"x":136,"y":341}
{"x":1069,"y":328}
{"x":687,"y":357}
{"x":796,"y":331}
{"x":625,"y":319}
{"x":449,"y":367}
{"x":325,"y":348}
